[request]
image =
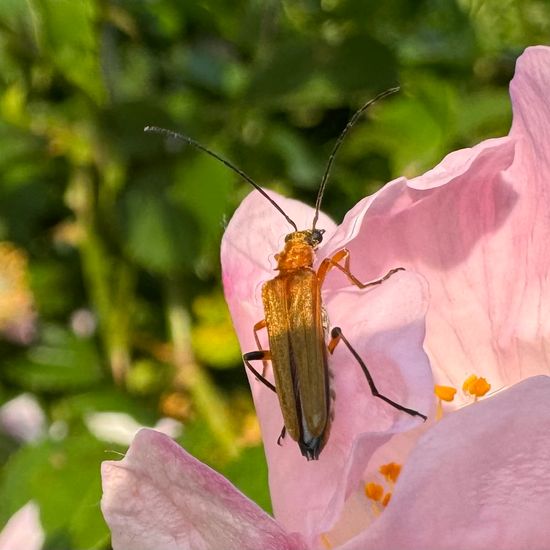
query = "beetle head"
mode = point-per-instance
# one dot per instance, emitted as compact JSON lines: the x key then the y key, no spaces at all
{"x":311,"y":237}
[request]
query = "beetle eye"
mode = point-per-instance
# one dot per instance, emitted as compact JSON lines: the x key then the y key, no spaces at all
{"x":317,"y":235}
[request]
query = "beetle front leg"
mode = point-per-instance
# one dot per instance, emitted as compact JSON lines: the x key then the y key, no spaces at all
{"x":328,"y":263}
{"x":336,"y":337}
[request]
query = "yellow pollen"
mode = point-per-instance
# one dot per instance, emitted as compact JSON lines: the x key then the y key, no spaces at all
{"x":326,"y":542}
{"x":476,"y":386}
{"x":386,"y":499}
{"x":374,"y":491}
{"x":445,"y":393}
{"x":390,"y":471}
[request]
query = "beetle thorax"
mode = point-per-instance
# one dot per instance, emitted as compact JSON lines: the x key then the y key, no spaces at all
{"x":297,"y":253}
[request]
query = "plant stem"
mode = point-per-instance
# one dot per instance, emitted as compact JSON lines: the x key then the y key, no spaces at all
{"x":207,"y":399}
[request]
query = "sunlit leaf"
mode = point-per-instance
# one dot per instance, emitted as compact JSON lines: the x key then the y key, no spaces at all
{"x":212,"y":336}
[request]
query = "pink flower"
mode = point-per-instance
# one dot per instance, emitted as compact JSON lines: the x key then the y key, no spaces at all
{"x":477,"y":227}
{"x":23,"y":530}
{"x":386,"y":327}
{"x":478,"y":479}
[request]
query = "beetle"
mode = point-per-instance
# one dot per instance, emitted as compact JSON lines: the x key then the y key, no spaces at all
{"x":296,"y":321}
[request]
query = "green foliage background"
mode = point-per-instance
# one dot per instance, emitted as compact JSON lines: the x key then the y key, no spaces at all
{"x":128,"y":225}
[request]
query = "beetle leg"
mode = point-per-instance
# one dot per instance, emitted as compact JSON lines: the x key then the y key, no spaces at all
{"x":257,"y":327}
{"x":336,"y":337}
{"x":334,"y":261}
{"x":260,"y":355}
{"x":282,"y":436}
{"x":264,"y":355}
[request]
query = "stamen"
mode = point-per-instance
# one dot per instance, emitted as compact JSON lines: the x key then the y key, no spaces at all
{"x":390,"y":471}
{"x":326,"y":542}
{"x":476,"y":386}
{"x":374,"y":491}
{"x":445,"y":393}
{"x":376,"y":509}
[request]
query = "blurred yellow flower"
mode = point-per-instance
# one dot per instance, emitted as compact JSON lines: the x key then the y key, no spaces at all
{"x":16,"y":300}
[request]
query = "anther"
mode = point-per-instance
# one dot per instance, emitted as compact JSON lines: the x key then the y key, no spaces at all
{"x":374,"y":491}
{"x":445,"y":393}
{"x":390,"y":471}
{"x":476,"y":386}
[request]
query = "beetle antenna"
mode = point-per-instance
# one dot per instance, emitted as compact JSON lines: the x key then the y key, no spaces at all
{"x":197,"y":145}
{"x":339,"y":141}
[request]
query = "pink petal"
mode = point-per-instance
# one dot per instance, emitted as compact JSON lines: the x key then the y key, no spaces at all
{"x":476,"y":226}
{"x":161,"y":498}
{"x":23,"y":418}
{"x":479,"y":479}
{"x":385,"y":325}
{"x":23,"y":530}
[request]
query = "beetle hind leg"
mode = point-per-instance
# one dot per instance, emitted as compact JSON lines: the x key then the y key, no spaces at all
{"x":260,"y":355}
{"x":336,"y":337}
{"x":264,"y":356}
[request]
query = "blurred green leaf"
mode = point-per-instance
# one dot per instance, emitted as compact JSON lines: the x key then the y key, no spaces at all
{"x":361,"y":63}
{"x":441,"y":35}
{"x":158,"y":235}
{"x":63,"y":478}
{"x":52,"y":289}
{"x":303,"y":167}
{"x":288,"y":68}
{"x":11,"y":10}
{"x":72,"y":47}
{"x":484,"y":114}
{"x":147,"y":377}
{"x":415,"y":131}
{"x":205,"y":67}
{"x":62,"y":361}
{"x":203,"y":186}
{"x":212,"y":336}
{"x":197,"y":440}
{"x":106,"y":399}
